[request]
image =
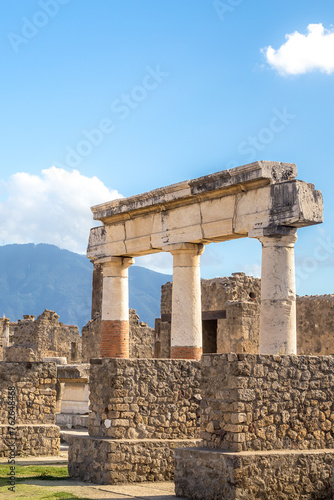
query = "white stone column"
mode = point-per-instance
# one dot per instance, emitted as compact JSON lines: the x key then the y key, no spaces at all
{"x":278,"y":294}
{"x":186,"y":328}
{"x":115,"y":307}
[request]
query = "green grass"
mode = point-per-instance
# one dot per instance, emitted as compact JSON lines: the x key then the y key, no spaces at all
{"x":34,"y":492}
{"x":40,"y":472}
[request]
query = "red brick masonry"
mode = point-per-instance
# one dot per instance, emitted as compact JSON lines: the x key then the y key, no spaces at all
{"x":114,"y":339}
{"x":190,"y":352}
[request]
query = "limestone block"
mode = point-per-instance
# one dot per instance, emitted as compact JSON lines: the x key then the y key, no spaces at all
{"x":217,"y":210}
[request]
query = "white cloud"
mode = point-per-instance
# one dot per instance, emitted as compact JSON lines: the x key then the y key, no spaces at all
{"x":53,"y":207}
{"x":303,"y":53}
{"x":160,"y":262}
{"x":252,"y":270}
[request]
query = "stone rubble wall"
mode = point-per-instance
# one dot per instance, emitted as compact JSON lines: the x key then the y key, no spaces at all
{"x":141,"y":338}
{"x":32,"y":340}
{"x":107,"y":461}
{"x":91,"y":339}
{"x":31,"y":440}
{"x":35,"y":385}
{"x":315,"y":324}
{"x":35,"y":408}
{"x":239,"y":295}
{"x":144,"y":398}
{"x":202,"y":474}
{"x":267,"y":402}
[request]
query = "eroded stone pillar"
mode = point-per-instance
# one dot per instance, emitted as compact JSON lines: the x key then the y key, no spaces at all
{"x":278,"y":294}
{"x":97,"y":290}
{"x":186,"y":328}
{"x":115,"y":307}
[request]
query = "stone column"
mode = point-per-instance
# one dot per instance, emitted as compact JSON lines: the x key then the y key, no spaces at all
{"x":115,"y":307}
{"x":186,"y":328}
{"x":278,"y":293}
{"x":97,"y":290}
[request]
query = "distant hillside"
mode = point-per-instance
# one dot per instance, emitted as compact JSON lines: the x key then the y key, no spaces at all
{"x":38,"y":277}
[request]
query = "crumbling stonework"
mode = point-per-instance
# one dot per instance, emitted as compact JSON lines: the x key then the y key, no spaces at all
{"x":141,"y":338}
{"x":259,"y":402}
{"x":269,"y":421}
{"x":238,"y":298}
{"x":315,"y":324}
{"x":32,"y":388}
{"x":4,"y":335}
{"x":143,"y":410}
{"x":230,"y":315}
{"x":144,"y":399}
{"x":210,"y":475}
{"x":33,"y":340}
{"x":91,"y":339}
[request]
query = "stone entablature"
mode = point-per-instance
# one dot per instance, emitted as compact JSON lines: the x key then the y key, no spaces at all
{"x":217,"y":207}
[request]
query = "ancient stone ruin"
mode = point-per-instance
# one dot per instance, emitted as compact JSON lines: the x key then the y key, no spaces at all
{"x":32,"y":340}
{"x":27,"y":409}
{"x":231,"y":408}
{"x":266,"y":419}
{"x":231,"y":318}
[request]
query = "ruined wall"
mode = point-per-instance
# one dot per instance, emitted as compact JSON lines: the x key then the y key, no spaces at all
{"x":32,"y":389}
{"x":267,"y":402}
{"x":144,"y":398}
{"x":141,"y":338}
{"x":91,"y":339}
{"x":4,"y":335}
{"x":240,"y":297}
{"x":147,"y":408}
{"x":315,"y":324}
{"x":267,"y":428}
{"x":230,"y":307}
{"x":32,"y":340}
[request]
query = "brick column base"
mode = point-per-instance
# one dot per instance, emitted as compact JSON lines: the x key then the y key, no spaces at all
{"x":185,"y":352}
{"x":114,"y":339}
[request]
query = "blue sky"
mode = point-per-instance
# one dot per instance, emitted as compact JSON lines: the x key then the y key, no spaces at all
{"x":138,"y":94}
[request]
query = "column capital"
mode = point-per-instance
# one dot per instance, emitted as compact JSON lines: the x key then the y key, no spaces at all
{"x":125,"y":262}
{"x":282,"y":236}
{"x":184,"y":248}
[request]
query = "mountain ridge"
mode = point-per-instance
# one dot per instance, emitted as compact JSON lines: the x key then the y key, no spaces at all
{"x":34,"y":277}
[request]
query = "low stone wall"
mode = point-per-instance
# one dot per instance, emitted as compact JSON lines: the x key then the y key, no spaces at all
{"x":255,"y":402}
{"x":33,"y":440}
{"x":267,"y":427}
{"x":315,"y":324}
{"x":212,"y":475}
{"x":27,"y":408}
{"x":110,"y":461}
{"x":141,"y":410}
{"x":144,"y":398}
